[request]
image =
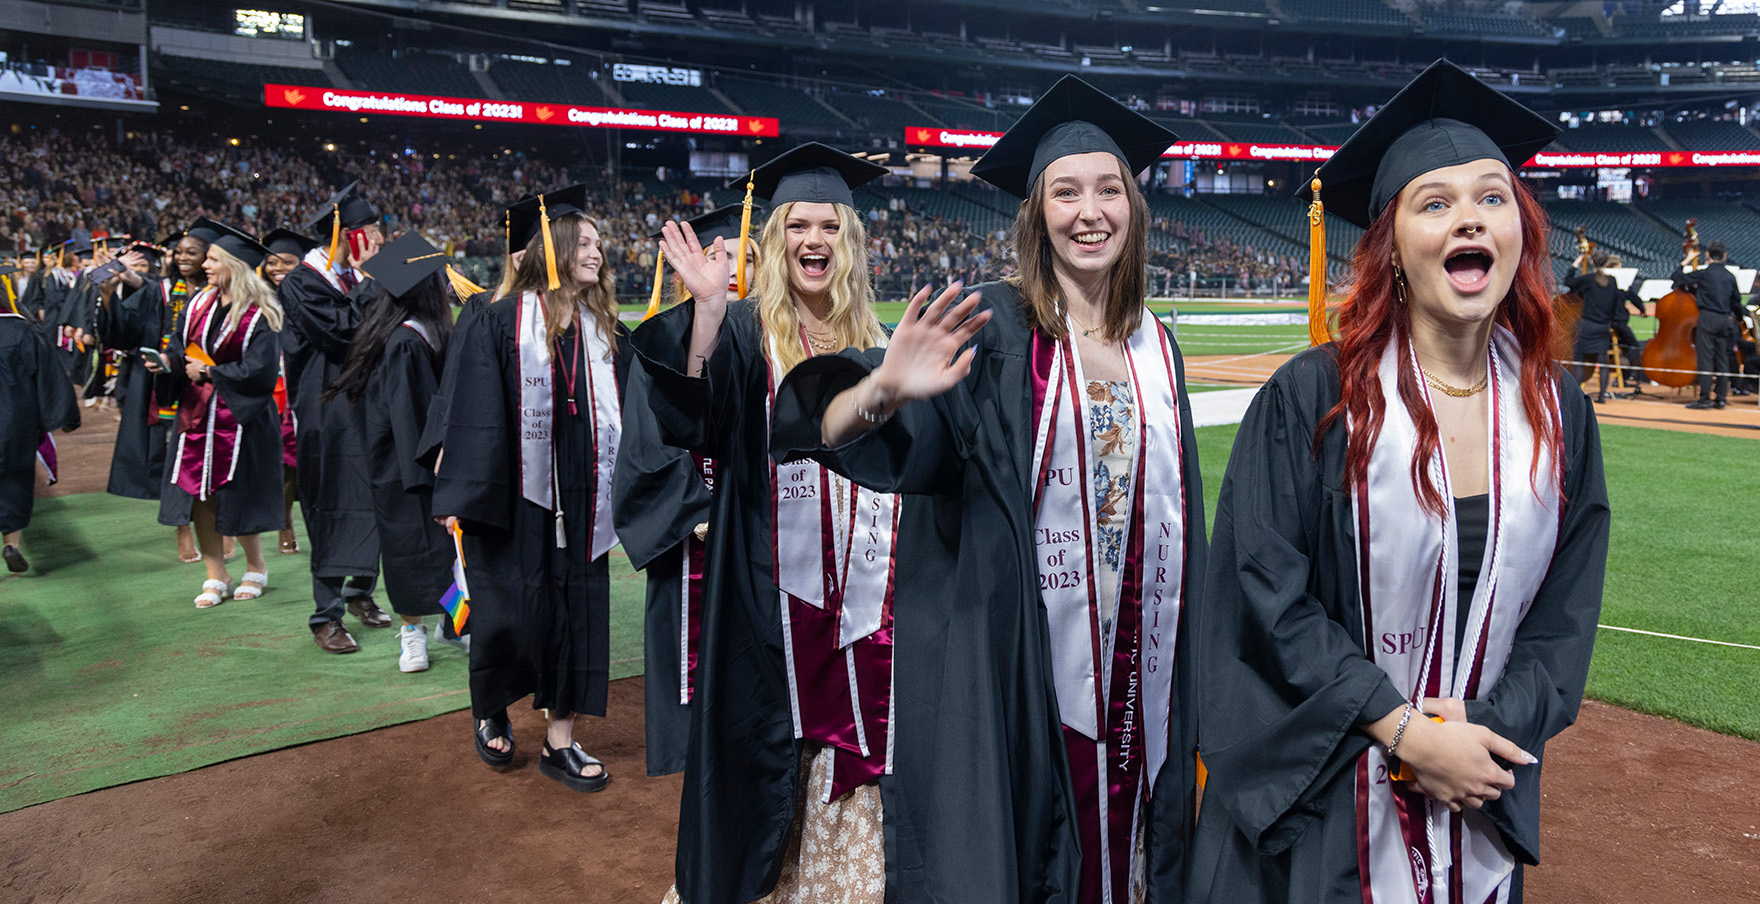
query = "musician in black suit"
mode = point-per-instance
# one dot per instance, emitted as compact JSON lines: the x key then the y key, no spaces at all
{"x":1714,"y":341}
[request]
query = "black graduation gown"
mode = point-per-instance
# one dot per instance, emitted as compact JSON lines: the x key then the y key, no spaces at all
{"x":540,"y":616}
{"x":251,"y":502}
{"x":335,"y":493}
{"x":1279,"y":820}
{"x":1600,"y":306}
{"x":434,"y":430}
{"x":139,"y":320}
{"x":35,"y":398}
{"x":660,"y":498}
{"x":76,"y":306}
{"x":416,"y":552}
{"x":980,"y":805}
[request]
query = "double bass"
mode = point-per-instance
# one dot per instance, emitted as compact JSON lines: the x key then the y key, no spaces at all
{"x":1567,"y":309}
{"x":1668,"y":357}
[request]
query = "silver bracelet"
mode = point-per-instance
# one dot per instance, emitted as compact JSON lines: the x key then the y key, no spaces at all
{"x":866,"y":415}
{"x":1400,"y":732}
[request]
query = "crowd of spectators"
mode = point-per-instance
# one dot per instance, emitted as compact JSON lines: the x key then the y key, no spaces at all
{"x":59,"y":186}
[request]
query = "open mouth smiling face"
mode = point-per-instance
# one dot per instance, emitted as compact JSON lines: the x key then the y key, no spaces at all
{"x":1458,"y":237}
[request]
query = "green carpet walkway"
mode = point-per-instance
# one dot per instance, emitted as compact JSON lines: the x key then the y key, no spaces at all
{"x":109,"y":674}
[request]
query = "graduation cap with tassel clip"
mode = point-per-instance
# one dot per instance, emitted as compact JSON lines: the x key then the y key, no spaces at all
{"x":1444,"y":117}
{"x":533,"y":216}
{"x":345,"y":210}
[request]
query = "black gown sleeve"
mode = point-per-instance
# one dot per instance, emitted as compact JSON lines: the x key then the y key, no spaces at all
{"x":247,"y":385}
{"x":1541,"y":687}
{"x":476,"y":479}
{"x":658,"y":496}
{"x":1288,"y":734}
{"x":439,"y":407}
{"x":695,"y":413}
{"x":57,"y":404}
{"x":407,"y":375}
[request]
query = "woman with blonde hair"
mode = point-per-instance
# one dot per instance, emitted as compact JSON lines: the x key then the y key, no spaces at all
{"x":790,"y":714}
{"x":529,"y":446}
{"x":224,"y":469}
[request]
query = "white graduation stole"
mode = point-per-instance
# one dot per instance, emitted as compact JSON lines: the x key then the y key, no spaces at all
{"x":537,"y":399}
{"x":1408,"y":573}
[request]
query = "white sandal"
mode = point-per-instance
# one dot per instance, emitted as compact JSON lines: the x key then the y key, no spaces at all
{"x":213,"y":594}
{"x":247,"y":592}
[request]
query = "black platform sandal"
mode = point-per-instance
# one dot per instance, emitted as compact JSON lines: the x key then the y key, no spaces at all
{"x":567,"y":764}
{"x":498,"y":727}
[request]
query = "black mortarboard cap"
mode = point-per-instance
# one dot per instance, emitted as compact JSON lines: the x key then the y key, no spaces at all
{"x":1444,"y":117}
{"x":203,"y":229}
{"x":720,"y":223}
{"x":402,"y":263}
{"x":355,"y":210}
{"x":812,"y":172}
{"x":1074,"y":117}
{"x":240,"y":244}
{"x":79,"y":247}
{"x":286,"y":241}
{"x":524,"y":217}
{"x":153,"y":253}
{"x":8,"y":269}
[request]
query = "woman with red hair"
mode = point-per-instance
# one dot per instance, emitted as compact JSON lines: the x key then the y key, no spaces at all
{"x":1407,"y":560}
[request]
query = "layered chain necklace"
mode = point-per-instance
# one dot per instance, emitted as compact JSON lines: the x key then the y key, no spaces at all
{"x":1456,"y":391}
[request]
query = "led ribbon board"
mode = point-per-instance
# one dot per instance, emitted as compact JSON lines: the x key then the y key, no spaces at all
{"x":464,"y":109}
{"x":980,"y":141}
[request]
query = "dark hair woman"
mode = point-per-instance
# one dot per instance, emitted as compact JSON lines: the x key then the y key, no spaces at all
{"x":530,"y":443}
{"x":286,"y":250}
{"x":1046,"y":575}
{"x":147,"y":318}
{"x":1409,"y":549}
{"x":390,"y":373}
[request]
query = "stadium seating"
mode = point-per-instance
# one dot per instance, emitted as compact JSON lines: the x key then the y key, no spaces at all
{"x":1712,"y":135}
{"x":244,"y":78}
{"x":417,"y":72}
{"x":792,"y":105}
{"x":1736,"y":226}
{"x":1365,"y":12}
{"x":1611,"y":139}
{"x":684,"y":98}
{"x":880,"y":113}
{"x":1262,"y":131}
{"x":535,"y":82}
{"x":1459,"y":22}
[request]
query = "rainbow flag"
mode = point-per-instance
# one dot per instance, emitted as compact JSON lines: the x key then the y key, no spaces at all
{"x":457,"y":598}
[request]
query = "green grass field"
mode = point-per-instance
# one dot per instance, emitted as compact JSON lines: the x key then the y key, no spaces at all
{"x":112,"y":676}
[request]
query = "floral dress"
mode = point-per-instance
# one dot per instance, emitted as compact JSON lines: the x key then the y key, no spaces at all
{"x":1112,"y":427}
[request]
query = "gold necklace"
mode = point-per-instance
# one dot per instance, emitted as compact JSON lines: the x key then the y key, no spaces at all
{"x":821,"y":345}
{"x":1456,"y":391}
{"x":1086,"y":329}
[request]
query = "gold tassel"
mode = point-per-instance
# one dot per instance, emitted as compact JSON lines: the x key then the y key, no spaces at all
{"x":1319,"y":332}
{"x":745,"y":235}
{"x":461,"y":286}
{"x":659,"y":274}
{"x":335,"y":231}
{"x":549,"y":246}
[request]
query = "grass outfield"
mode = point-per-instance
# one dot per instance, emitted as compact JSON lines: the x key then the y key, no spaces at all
{"x":1680,"y":561}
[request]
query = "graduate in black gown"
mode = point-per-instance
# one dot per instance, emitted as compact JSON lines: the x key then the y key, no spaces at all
{"x":662,"y":519}
{"x":146,"y":316}
{"x":528,"y":455}
{"x":1413,"y":526}
{"x":391,"y":372}
{"x":35,"y":400}
{"x":223,"y":468}
{"x":334,"y":490}
{"x":1046,"y":701}
{"x":286,"y":250}
{"x":73,"y":310}
{"x":791,"y":735}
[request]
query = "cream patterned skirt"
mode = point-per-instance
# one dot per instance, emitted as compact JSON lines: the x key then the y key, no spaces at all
{"x":837,"y":850}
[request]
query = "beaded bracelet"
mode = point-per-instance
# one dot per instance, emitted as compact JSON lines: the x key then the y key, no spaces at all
{"x":1400,"y":732}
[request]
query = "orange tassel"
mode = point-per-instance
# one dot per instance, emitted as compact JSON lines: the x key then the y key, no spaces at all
{"x":659,"y":274}
{"x":1319,"y":332}
{"x":335,"y":232}
{"x":549,"y":246}
{"x":745,"y":236}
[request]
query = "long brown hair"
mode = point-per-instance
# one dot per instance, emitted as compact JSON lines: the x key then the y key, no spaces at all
{"x":1372,"y":316}
{"x":532,"y":275}
{"x":1036,"y":278}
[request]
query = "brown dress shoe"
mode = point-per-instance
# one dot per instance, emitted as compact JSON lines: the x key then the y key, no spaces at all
{"x":334,"y":638}
{"x":363,"y":608}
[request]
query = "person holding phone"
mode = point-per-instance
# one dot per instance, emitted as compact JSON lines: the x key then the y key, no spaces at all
{"x":334,"y":490}
{"x":142,"y":322}
{"x":224,"y":469}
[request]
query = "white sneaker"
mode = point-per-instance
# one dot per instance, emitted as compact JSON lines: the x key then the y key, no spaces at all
{"x":415,"y":649}
{"x":463,"y":643}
